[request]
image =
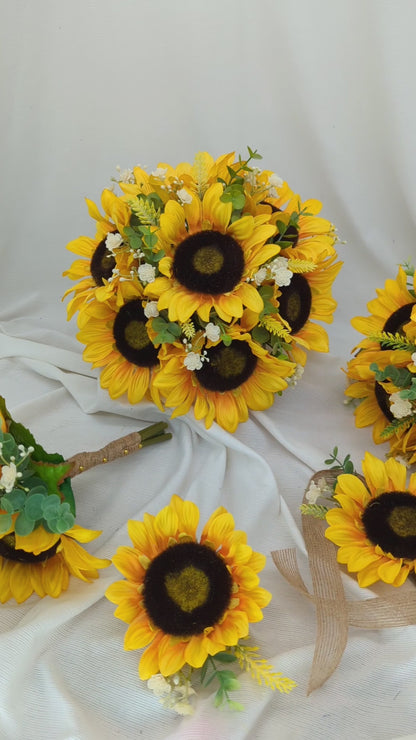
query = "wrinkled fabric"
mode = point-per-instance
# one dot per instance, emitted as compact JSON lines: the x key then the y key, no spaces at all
{"x":324,"y":91}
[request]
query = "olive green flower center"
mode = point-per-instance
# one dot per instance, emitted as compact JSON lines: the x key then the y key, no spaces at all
{"x":208,"y":262}
{"x":186,"y":589}
{"x":131,"y":337}
{"x":227,"y":368}
{"x":189,"y":588}
{"x":390,"y":522}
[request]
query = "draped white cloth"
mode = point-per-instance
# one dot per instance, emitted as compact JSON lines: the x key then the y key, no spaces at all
{"x":325,"y":91}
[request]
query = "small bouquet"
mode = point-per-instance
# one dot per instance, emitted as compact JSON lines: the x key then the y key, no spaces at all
{"x":382,"y":373}
{"x":39,"y":539}
{"x":366,"y":523}
{"x":202,"y":286}
{"x":189,"y":601}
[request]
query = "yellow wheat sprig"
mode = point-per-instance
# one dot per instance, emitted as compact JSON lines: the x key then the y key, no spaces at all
{"x":261,"y":670}
{"x":200,"y":171}
{"x":275,"y":327}
{"x":145,"y":211}
{"x":301,"y":265}
{"x":188,"y":329}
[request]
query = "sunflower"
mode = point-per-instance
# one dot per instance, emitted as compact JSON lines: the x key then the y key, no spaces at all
{"x":185,"y":599}
{"x":209,"y":259}
{"x":375,"y":526}
{"x":226,"y":382}
{"x":391,"y":311}
{"x":42,"y":562}
{"x":99,"y":269}
{"x":301,"y":232}
{"x":373,"y":396}
{"x":118,"y":341}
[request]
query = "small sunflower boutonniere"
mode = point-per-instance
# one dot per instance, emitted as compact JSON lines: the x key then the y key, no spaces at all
{"x":189,"y":602}
{"x":382,"y":374}
{"x":204,"y":276}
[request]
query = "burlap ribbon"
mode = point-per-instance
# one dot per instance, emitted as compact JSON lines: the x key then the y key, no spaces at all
{"x":334,"y":612}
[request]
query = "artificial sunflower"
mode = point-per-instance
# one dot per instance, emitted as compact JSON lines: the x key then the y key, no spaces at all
{"x":224,"y":382}
{"x":375,"y":523}
{"x":117,"y":340}
{"x":41,"y":562}
{"x":210,"y":259}
{"x":391,"y":312}
{"x":373,"y":396}
{"x":104,"y":259}
{"x":185,"y":599}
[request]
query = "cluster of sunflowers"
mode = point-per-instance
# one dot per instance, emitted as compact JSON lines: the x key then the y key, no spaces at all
{"x":382,"y":373}
{"x":201,"y":287}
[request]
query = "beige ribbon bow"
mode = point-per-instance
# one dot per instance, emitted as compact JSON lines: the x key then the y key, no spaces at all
{"x":334,"y":613}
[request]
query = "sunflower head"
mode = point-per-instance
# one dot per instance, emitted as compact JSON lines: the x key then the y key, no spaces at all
{"x":186,"y":597}
{"x":375,"y":522}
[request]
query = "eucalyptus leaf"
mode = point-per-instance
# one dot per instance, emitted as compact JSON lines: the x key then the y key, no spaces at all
{"x":5,"y":523}
{"x":34,"y":506}
{"x":23,"y":526}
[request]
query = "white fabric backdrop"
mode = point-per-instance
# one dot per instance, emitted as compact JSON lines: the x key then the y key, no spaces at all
{"x":325,"y":91}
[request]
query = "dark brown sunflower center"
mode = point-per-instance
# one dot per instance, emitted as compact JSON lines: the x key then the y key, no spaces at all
{"x":227,"y":368}
{"x":398,"y":319}
{"x":295,"y":302}
{"x":131,"y":337}
{"x":382,"y":398}
{"x":9,"y":551}
{"x":208,"y":262}
{"x":390,"y":522}
{"x":102,"y":264}
{"x":186,"y":589}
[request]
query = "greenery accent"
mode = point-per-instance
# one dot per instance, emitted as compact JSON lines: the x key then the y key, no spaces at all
{"x":396,"y":426}
{"x":344,"y":466}
{"x":318,"y":511}
{"x":399,"y":376}
{"x":226,"y":679}
{"x":261,"y":670}
{"x":167,"y":332}
{"x":145,"y":210}
{"x":275,"y":327}
{"x":393,"y":341}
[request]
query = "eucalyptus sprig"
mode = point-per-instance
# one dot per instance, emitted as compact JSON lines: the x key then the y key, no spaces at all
{"x":226,"y":679}
{"x":346,"y":465}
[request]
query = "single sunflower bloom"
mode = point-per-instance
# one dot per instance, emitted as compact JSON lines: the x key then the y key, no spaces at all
{"x":373,"y":396}
{"x":183,"y":598}
{"x":390,"y":312}
{"x":231,"y":380}
{"x":375,"y":524}
{"x":118,"y":341}
{"x":42,"y":562}
{"x":303,"y":234}
{"x":99,"y":268}
{"x":210,"y":260}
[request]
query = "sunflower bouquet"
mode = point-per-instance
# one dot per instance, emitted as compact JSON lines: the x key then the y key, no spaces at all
{"x":189,"y":601}
{"x":373,"y":522}
{"x":202,"y":286}
{"x":39,"y":539}
{"x":382,"y":373}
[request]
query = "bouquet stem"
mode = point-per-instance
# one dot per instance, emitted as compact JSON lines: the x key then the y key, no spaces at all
{"x":83,"y":461}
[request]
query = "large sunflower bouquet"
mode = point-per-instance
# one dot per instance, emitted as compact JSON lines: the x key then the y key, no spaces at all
{"x":189,"y":601}
{"x":202,"y":286}
{"x":382,"y":373}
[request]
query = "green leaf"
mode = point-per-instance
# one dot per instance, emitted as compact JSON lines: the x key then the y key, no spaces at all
{"x":226,"y":339}
{"x":348,"y":467}
{"x":23,"y":526}
{"x":219,"y":698}
{"x":34,"y":506}
{"x":174,"y":329}
{"x":260,"y":334}
{"x":230,"y":684}
{"x":204,"y":671}
{"x":52,"y":475}
{"x":24,"y":436}
{"x":5,"y":523}
{"x":225,"y":657}
{"x":254,"y":154}
{"x":51,"y":506}
{"x":64,"y":523}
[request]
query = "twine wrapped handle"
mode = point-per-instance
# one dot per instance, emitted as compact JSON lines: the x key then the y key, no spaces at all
{"x":121,"y":447}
